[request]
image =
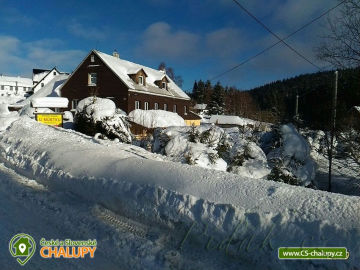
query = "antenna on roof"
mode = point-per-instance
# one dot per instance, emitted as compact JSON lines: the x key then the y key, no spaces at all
{"x":116,"y":54}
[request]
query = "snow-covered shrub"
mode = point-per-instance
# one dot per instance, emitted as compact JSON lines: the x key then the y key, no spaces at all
{"x":292,"y":157}
{"x":194,"y":134}
{"x":280,"y":173}
{"x":212,"y":147}
{"x":99,"y":115}
{"x":246,"y":158}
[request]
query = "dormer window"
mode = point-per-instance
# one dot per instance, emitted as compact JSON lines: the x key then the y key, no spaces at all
{"x":92,"y":58}
{"x":141,"y":80}
{"x":164,"y":85}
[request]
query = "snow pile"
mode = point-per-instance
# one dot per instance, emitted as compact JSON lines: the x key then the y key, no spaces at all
{"x":212,"y":147}
{"x":292,"y":157}
{"x":156,"y":118}
{"x":99,"y":115}
{"x":241,"y":220}
{"x":50,"y":102}
{"x":6,"y":117}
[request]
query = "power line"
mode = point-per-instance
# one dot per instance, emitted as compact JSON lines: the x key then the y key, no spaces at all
{"x":276,"y":43}
{"x":274,"y":34}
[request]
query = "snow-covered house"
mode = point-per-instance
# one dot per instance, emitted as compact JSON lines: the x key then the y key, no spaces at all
{"x":42,"y":77}
{"x":200,"y":108}
{"x":131,"y":86}
{"x":11,"y":86}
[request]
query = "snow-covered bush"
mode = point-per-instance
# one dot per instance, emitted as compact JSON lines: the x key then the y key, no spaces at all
{"x":212,"y":147}
{"x":99,"y":115}
{"x":291,"y":158}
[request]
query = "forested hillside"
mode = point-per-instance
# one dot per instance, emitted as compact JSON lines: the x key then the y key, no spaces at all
{"x":275,"y":102}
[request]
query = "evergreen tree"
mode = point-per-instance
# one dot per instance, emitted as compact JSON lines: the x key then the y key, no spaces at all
{"x":195,"y":92}
{"x":217,"y":103}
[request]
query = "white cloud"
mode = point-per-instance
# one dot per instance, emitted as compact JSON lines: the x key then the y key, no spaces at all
{"x":19,"y":58}
{"x":160,"y":40}
{"x":10,"y":16}
{"x":226,"y":42}
{"x":87,"y":32}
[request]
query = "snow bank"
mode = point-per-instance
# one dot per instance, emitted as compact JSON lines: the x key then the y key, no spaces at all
{"x":6,"y":117}
{"x":97,"y":108}
{"x":156,"y":118}
{"x":50,"y":102}
{"x":201,"y":206}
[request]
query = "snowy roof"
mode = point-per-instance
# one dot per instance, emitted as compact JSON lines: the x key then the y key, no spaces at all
{"x":39,"y":76}
{"x":230,"y":120}
{"x":156,"y":118}
{"x":200,"y":106}
{"x":123,"y":68}
{"x":50,"y":102}
{"x":22,"y":80}
{"x":52,"y":89}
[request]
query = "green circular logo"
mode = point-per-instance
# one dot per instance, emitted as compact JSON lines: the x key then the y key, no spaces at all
{"x":22,"y":246}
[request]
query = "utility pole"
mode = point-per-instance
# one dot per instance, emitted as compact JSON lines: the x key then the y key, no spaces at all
{"x":297,"y":107}
{"x":333,"y":120}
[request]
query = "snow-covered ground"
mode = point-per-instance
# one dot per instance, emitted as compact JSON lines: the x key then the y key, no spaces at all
{"x":183,"y":215}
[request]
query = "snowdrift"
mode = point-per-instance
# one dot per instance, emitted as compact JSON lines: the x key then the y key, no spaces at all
{"x":248,"y":219}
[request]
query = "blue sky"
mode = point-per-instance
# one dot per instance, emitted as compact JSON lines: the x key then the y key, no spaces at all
{"x":198,"y":38}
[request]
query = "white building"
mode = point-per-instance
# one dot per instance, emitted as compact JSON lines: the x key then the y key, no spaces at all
{"x":42,"y":77}
{"x":14,"y":86}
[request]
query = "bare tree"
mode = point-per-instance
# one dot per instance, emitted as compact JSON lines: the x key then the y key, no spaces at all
{"x":341,"y":46}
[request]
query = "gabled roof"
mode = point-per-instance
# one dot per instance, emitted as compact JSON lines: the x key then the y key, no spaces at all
{"x":123,"y":68}
{"x":43,"y":78}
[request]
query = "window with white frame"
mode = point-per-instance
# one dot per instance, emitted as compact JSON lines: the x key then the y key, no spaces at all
{"x":164,"y":85}
{"x":92,"y":58}
{"x":137,"y":104}
{"x":74,"y":104}
{"x":185,"y":110}
{"x":146,"y":105}
{"x":156,"y":106}
{"x":92,"y":79}
{"x":141,"y":80}
{"x":174,"y":109}
{"x":165,"y":107}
